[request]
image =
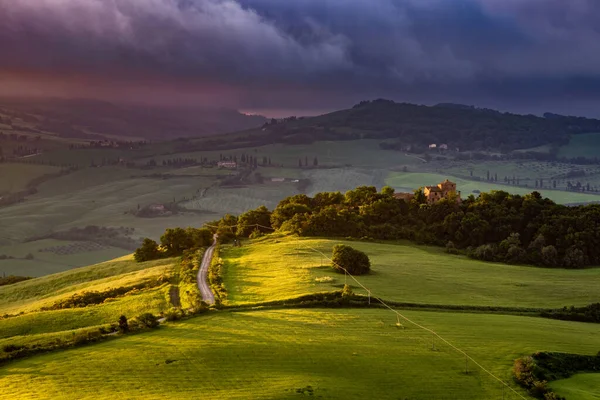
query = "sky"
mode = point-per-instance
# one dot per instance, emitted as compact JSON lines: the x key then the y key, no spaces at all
{"x":303,"y":57}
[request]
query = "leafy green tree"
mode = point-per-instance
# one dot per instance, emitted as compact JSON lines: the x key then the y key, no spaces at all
{"x":123,"y":324}
{"x":147,"y":251}
{"x":549,"y":256}
{"x":175,"y":241}
{"x":286,"y":212}
{"x":355,"y":262}
{"x":258,"y":219}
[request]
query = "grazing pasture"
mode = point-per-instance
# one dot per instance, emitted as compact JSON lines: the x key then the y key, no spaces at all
{"x":337,"y":354}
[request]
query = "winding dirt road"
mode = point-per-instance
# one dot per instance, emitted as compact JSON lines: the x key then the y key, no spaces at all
{"x":207,"y":294}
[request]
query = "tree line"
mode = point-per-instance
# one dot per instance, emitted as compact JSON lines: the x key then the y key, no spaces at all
{"x":495,"y":226}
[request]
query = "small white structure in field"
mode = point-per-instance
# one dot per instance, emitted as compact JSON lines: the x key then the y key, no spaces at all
{"x":443,"y":147}
{"x":432,"y":146}
{"x":295,"y":181}
{"x":227,"y":164}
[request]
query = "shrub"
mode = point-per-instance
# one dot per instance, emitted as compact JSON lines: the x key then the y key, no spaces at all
{"x":8,"y":348}
{"x":485,"y":252}
{"x":451,"y":248}
{"x":347,"y":258}
{"x":174,"y":314}
{"x":148,"y":320}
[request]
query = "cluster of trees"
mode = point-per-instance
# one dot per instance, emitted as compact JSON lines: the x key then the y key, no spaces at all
{"x":496,"y":226}
{"x":174,"y":242}
{"x":315,"y":162}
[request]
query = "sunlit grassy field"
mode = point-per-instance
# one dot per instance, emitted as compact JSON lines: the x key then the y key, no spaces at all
{"x":416,"y":180}
{"x":579,"y":387}
{"x":33,"y":294}
{"x":280,"y":267}
{"x":36,"y":327}
{"x":340,"y":354}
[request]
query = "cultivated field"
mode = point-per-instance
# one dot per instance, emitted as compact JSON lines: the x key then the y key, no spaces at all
{"x":284,"y":267}
{"x":14,"y":177}
{"x":337,"y":354}
{"x":416,"y":180}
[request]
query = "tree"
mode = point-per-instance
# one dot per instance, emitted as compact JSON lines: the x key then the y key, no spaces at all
{"x":123,"y":324}
{"x":549,"y":256}
{"x":346,"y":258}
{"x":300,"y":162}
{"x":258,"y":219}
{"x":148,"y":251}
{"x":175,"y":241}
{"x":315,"y":162}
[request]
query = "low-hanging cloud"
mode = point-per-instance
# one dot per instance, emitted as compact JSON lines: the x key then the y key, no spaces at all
{"x":449,"y":48}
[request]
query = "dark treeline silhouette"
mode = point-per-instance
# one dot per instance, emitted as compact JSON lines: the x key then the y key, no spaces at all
{"x":466,"y":128}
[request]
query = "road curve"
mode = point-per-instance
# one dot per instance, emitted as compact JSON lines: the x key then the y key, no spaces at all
{"x":207,"y":294}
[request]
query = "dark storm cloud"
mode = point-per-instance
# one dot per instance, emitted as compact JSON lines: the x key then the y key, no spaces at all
{"x":420,"y":50}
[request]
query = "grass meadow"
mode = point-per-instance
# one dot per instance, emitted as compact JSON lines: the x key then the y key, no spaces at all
{"x":34,"y":327}
{"x":279,"y":267}
{"x":579,"y":387}
{"x":14,"y":177}
{"x":31,"y":295}
{"x":582,"y":145}
{"x":336,"y":354}
{"x":416,"y":180}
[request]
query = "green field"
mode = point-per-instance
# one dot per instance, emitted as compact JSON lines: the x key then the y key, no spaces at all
{"x":34,"y":327}
{"x":284,"y":267}
{"x":466,"y":187}
{"x":579,"y":387}
{"x":14,"y":177}
{"x":581,"y":145}
{"x":341,"y":354}
{"x":33,"y":294}
{"x":45,"y":262}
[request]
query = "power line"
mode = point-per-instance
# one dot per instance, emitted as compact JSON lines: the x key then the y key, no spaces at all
{"x":398,"y":314}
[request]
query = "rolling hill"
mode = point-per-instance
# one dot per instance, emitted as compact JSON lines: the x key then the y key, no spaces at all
{"x":98,"y":120}
{"x":414,"y":127}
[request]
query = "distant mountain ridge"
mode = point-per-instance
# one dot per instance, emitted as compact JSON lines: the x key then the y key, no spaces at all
{"x":411,"y":125}
{"x":92,"y":119}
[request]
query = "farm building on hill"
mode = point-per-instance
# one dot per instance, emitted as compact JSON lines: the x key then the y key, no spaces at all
{"x":433,"y":194}
{"x":227,"y":164}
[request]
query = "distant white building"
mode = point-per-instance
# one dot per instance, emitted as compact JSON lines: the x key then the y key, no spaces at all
{"x":443,"y":147}
{"x":227,"y":164}
{"x":432,"y":146}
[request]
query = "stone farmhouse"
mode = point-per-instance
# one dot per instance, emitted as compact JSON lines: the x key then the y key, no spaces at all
{"x":433,"y":194}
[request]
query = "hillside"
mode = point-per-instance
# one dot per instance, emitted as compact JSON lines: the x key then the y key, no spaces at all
{"x":414,"y":127}
{"x":250,"y":349}
{"x":97,"y":120}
